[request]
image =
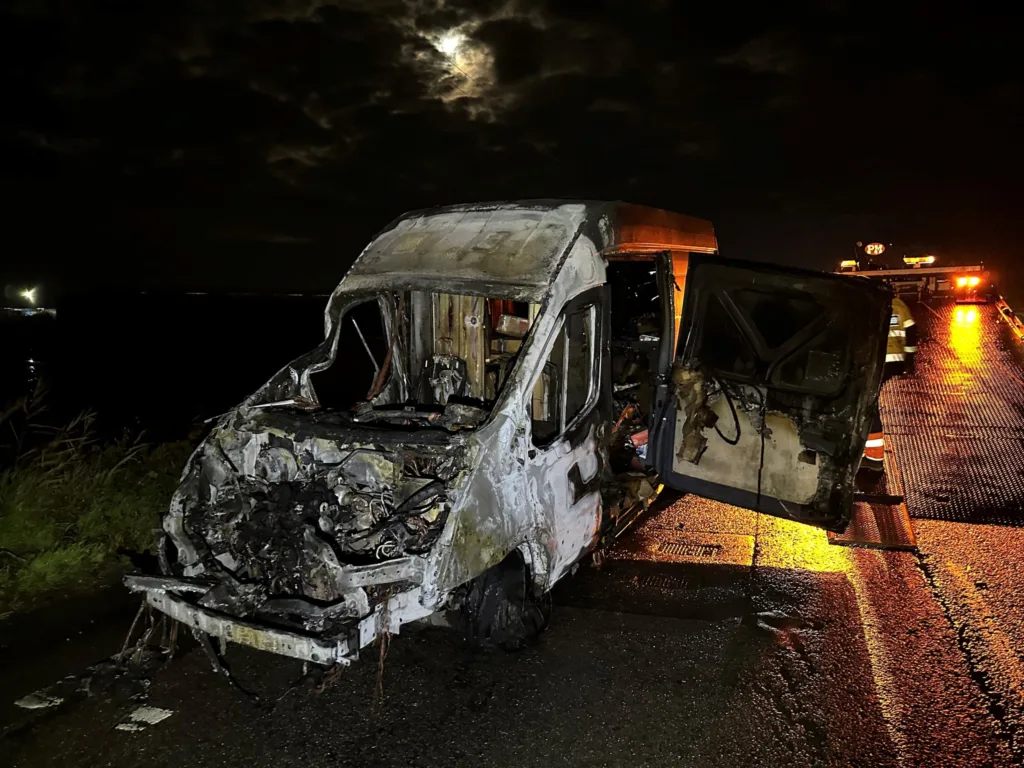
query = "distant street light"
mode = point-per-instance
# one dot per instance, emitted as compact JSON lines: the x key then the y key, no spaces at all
{"x":29,"y":295}
{"x":915,"y":262}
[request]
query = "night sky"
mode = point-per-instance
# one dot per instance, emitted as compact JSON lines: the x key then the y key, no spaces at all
{"x":258,"y":145}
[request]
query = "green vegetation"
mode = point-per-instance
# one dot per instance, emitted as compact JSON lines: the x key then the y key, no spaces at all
{"x":70,"y":503}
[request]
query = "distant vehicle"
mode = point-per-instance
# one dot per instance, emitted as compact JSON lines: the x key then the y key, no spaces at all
{"x":972,"y":289}
{"x":521,"y":355}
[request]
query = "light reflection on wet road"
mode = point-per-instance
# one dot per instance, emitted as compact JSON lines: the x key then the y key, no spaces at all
{"x":818,"y":655}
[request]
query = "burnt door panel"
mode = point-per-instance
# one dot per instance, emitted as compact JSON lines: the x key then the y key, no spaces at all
{"x":570,"y":461}
{"x":767,"y":402}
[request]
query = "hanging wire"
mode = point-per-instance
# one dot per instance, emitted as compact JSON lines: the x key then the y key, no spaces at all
{"x":735,"y":417}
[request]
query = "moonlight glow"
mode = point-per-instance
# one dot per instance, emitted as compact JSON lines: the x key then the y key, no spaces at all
{"x":449,"y":43}
{"x":463,"y":70}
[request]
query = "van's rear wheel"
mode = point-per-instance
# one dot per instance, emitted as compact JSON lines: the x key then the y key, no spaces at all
{"x":503,"y":609}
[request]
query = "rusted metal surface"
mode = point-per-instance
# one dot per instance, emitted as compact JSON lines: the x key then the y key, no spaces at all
{"x":957,"y":423}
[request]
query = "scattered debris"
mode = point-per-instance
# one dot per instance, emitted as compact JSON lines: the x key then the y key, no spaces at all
{"x":122,"y":678}
{"x":330,"y":677}
{"x":38,"y":700}
{"x":114,"y":678}
{"x":142,"y":717}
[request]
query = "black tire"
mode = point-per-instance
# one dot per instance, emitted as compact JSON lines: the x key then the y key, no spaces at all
{"x":503,"y":609}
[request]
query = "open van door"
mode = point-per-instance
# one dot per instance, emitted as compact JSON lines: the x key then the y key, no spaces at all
{"x":767,"y":396}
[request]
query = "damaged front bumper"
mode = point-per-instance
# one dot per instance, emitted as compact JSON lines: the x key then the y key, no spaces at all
{"x":179,"y":599}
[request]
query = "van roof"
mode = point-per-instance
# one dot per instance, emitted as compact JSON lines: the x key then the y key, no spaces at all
{"x":515,"y":246}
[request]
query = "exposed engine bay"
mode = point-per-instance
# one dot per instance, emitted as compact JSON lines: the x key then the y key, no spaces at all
{"x":362,"y":510}
{"x":273,"y":522}
{"x":315,"y":505}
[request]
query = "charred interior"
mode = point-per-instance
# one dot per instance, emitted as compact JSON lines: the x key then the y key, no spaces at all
{"x":404,"y":356}
{"x":636,"y":323}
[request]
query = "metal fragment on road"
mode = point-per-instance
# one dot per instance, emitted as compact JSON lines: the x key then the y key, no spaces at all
{"x":142,"y":717}
{"x":38,"y":700}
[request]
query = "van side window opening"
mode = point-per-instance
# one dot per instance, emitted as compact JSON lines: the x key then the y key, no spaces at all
{"x":579,"y":363}
{"x":546,"y":403}
{"x":567,"y":385}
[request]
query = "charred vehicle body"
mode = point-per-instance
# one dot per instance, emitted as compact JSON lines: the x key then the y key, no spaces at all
{"x":500,"y":390}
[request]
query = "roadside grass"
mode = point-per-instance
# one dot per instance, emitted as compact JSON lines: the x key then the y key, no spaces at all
{"x":71,"y":503}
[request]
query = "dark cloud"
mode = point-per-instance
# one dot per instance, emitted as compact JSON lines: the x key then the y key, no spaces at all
{"x":165,"y":141}
{"x":518,"y":47}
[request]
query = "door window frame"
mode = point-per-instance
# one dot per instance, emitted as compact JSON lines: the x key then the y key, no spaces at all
{"x":591,"y":300}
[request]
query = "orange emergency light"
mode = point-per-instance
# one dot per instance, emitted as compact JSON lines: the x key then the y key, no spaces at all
{"x":967,"y":282}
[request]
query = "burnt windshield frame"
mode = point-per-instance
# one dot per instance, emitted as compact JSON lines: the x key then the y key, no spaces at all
{"x":341,"y":302}
{"x":387,"y":307}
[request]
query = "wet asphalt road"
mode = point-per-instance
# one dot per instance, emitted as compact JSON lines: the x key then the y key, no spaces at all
{"x":818,"y":655}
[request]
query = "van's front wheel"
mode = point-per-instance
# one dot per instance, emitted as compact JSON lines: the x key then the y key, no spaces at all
{"x":503,"y":609}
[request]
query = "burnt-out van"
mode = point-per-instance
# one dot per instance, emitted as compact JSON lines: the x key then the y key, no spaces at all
{"x":500,"y":390}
